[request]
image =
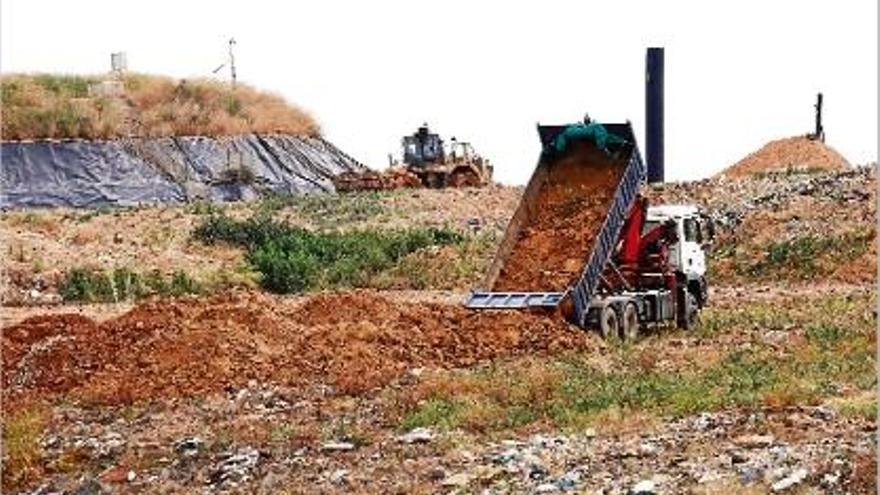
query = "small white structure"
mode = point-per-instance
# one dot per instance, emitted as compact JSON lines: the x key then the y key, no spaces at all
{"x":118,"y":62}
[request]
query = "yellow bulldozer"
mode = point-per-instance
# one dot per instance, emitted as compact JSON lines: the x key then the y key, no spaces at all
{"x":426,"y":162}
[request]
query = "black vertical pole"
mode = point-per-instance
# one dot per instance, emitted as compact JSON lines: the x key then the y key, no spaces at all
{"x":820,"y":132}
{"x":654,"y":115}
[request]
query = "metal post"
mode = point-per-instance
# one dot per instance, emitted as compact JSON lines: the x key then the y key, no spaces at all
{"x":654,"y":115}
{"x":232,"y":60}
{"x":820,"y":132}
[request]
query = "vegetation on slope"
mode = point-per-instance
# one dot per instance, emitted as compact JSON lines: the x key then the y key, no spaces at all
{"x":827,"y":354}
{"x":293,"y":259}
{"x":62,"y":106}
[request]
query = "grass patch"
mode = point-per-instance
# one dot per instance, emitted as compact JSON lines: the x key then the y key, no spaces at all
{"x":835,"y":356}
{"x":833,"y":313}
{"x":459,"y":266}
{"x":806,"y":257}
{"x":122,"y":284}
{"x":328,"y":211}
{"x":863,"y":406}
{"x":62,"y":106}
{"x":291,"y":259}
{"x":22,"y":454}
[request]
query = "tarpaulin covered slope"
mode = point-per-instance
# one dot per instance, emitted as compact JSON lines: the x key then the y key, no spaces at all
{"x":165,"y":170}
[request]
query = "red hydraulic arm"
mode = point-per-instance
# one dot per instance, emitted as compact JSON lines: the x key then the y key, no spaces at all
{"x":630,"y":249}
{"x":639,"y":255}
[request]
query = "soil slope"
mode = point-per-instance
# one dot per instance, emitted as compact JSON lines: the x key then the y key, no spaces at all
{"x":794,"y":153}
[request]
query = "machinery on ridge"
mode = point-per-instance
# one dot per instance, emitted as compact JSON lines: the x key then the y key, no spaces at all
{"x":426,"y":162}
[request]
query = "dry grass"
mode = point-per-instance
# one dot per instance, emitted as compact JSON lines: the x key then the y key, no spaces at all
{"x":22,"y":455}
{"x":828,"y":352}
{"x":54,"y":106}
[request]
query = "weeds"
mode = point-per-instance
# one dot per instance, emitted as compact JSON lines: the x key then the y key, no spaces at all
{"x":122,"y":284}
{"x":807,"y":257}
{"x":291,"y":259}
{"x":862,"y":407}
{"x":22,"y":456}
{"x":328,"y":210}
{"x":836,"y":355}
{"x":59,"y":106}
{"x":204,"y":208}
{"x":455,"y":267}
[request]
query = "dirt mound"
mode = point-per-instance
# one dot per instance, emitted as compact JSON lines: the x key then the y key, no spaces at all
{"x":372,"y":180}
{"x":567,"y":216}
{"x":353,"y":341}
{"x":794,"y":153}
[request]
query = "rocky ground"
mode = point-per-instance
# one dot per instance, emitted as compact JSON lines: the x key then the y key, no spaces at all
{"x":221,"y":445}
{"x":294,"y":431}
{"x":406,"y":392}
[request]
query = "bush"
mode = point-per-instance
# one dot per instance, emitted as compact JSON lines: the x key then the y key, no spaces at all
{"x":59,"y":106}
{"x":86,"y":285}
{"x":292,"y":259}
{"x":23,"y":456}
{"x":122,"y":284}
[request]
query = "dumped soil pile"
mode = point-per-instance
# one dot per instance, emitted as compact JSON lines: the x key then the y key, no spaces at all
{"x":354,"y":341}
{"x":568,"y":213}
{"x":794,"y":153}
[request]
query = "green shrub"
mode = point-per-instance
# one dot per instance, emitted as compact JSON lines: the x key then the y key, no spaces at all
{"x":81,"y":284}
{"x":292,"y":259}
{"x":122,"y":284}
{"x":181,"y":284}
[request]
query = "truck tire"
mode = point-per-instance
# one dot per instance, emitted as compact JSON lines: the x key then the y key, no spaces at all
{"x":686,"y":311}
{"x":629,"y":324}
{"x":609,"y":323}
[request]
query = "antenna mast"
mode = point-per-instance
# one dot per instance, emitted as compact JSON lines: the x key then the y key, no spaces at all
{"x":232,"y":60}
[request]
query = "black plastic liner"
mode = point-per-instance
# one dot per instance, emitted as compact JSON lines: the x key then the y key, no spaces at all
{"x":137,"y":171}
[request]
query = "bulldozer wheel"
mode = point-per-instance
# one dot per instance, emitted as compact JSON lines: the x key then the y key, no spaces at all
{"x":629,"y":325}
{"x":609,"y":323}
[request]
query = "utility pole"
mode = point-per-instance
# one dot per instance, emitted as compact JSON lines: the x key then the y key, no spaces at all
{"x":232,"y":61}
{"x":820,"y":131}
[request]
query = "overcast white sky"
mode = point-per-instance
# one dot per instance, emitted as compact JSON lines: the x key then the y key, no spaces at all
{"x":738,"y":73}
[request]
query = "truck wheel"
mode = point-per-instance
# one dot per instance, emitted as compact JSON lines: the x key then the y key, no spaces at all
{"x":686,"y":313}
{"x":609,"y":322}
{"x":629,"y":328}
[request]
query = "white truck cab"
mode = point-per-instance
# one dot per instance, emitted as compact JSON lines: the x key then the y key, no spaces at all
{"x":686,"y":256}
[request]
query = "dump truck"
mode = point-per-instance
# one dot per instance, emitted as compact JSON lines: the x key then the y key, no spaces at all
{"x":584,"y":242}
{"x":426,"y":162}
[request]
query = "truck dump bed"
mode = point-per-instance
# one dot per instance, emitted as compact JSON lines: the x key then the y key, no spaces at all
{"x":566,"y":224}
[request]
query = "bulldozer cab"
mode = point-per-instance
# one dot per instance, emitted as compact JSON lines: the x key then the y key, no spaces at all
{"x":422,"y":148}
{"x":461,"y":151}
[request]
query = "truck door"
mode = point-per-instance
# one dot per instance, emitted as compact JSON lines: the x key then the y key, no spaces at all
{"x":693,"y":260}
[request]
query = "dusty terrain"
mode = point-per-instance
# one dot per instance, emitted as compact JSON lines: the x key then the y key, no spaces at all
{"x":353,"y":342}
{"x":377,"y":391}
{"x":224,"y":394}
{"x":794,"y":153}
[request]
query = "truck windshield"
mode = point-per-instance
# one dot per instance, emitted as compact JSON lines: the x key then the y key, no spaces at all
{"x":692,"y":230}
